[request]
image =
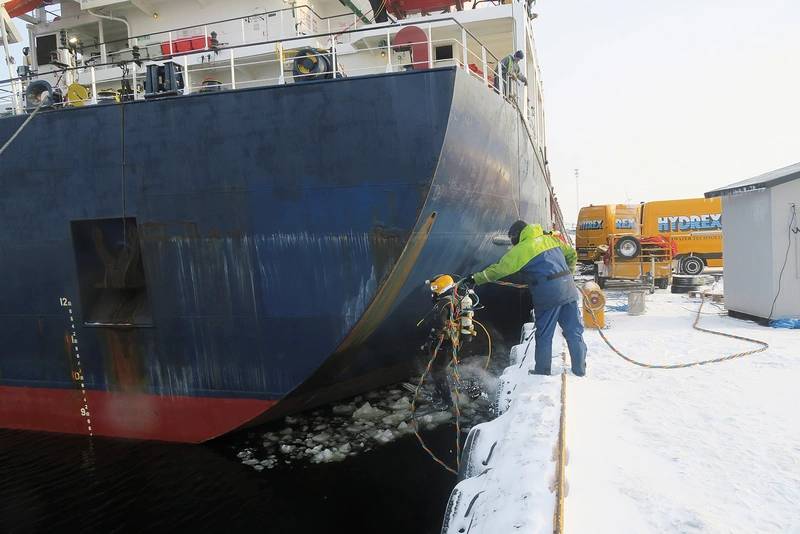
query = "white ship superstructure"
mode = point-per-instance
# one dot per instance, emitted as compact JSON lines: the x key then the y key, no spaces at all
{"x":105,"y":46}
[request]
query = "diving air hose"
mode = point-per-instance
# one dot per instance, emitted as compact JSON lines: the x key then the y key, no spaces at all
{"x":587,"y":295}
{"x":460,"y":321}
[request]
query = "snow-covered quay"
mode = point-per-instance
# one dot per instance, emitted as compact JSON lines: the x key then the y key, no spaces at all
{"x":714,"y":448}
{"x":508,"y":466}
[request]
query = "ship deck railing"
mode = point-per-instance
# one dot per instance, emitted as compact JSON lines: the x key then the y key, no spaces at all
{"x":465,"y":53}
{"x":268,"y":62}
{"x":295,"y":21}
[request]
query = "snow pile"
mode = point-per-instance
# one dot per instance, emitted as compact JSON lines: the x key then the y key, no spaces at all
{"x":509,"y":461}
{"x":333,"y":433}
{"x":714,"y":448}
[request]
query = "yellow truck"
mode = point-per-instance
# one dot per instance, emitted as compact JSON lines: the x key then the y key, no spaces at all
{"x":693,"y":224}
{"x":596,"y":223}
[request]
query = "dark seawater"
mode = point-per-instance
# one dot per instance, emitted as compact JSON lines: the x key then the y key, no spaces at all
{"x":56,"y":483}
{"x":60,"y":483}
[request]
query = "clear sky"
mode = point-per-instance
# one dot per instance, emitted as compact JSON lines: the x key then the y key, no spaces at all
{"x":655,"y":99}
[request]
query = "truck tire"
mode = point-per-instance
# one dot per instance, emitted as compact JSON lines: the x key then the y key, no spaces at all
{"x":691,"y":265}
{"x":682,"y":289}
{"x":691,"y":281}
{"x":628,"y":247}
{"x":662,"y":283}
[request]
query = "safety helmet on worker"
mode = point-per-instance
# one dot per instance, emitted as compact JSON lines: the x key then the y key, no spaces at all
{"x":515,"y":231}
{"x":442,"y":284}
{"x":519,"y":54}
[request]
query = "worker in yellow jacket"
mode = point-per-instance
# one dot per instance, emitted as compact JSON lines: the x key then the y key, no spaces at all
{"x":546,"y":263}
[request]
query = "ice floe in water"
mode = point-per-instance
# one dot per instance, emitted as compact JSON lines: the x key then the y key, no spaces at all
{"x":360,"y":424}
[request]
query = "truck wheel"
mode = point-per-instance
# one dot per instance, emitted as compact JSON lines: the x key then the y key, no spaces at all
{"x":628,"y":247}
{"x":662,"y":283}
{"x":692,"y":266}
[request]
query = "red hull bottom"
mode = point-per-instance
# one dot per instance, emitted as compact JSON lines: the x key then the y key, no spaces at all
{"x":125,"y":415}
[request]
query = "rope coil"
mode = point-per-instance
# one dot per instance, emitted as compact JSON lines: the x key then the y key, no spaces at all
{"x":414,"y":422}
{"x":763,"y":346}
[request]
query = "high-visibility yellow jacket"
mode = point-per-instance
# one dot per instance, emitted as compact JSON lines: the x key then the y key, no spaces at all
{"x":544,"y":261}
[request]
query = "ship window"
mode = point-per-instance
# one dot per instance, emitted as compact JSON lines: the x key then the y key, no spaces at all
{"x":46,"y":48}
{"x":113,"y":287}
{"x":444,"y":52}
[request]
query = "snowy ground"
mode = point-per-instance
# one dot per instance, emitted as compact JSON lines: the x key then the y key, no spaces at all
{"x":705,"y":449}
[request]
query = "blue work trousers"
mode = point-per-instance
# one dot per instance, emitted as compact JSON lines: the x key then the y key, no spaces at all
{"x":568,"y":316}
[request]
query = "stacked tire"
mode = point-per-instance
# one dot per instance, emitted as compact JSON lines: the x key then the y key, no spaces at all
{"x":687,"y":283}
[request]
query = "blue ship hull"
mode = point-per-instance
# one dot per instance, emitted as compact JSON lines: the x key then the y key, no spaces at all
{"x":178,"y":268}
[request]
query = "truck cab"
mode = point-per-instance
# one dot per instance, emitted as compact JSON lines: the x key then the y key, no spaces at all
{"x":597,"y":222}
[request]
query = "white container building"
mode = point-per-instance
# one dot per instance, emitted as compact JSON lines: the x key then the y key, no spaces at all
{"x":761,"y":229}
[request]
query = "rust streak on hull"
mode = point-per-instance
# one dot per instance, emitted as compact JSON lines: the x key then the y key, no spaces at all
{"x":381,"y":305}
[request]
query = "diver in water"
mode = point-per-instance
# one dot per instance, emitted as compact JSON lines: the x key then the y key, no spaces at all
{"x":441,"y":288}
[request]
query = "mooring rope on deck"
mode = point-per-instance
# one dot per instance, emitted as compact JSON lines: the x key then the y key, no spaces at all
{"x":22,"y":127}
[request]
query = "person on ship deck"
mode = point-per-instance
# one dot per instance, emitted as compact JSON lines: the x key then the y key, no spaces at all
{"x":508,"y":68}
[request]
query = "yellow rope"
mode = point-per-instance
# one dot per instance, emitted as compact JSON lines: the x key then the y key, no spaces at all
{"x":763,"y":345}
{"x":489,"y":337}
{"x":457,"y":408}
{"x":450,"y":331}
{"x":414,"y":408}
